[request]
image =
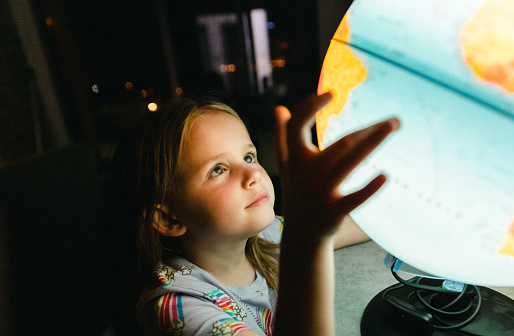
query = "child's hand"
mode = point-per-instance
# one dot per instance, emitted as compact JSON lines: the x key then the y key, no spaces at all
{"x":310,"y":178}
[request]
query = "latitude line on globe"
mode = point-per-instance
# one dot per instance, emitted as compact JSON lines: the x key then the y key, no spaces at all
{"x":431,"y":79}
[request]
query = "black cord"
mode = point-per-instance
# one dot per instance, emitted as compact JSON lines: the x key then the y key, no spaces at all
{"x":433,"y":292}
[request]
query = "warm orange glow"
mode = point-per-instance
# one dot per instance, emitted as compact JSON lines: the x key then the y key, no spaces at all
{"x":488,"y":43}
{"x":49,"y":21}
{"x":227,"y":68}
{"x":508,"y":245}
{"x":129,"y":85}
{"x":340,"y":74}
{"x":278,"y":63}
{"x":144,"y":93}
{"x":179,"y":91}
{"x":153,"y":107}
{"x":343,"y":31}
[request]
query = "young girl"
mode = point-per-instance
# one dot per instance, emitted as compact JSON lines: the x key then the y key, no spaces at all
{"x":207,"y":228}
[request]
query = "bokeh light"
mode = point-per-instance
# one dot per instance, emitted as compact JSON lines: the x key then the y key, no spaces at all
{"x":153,"y":107}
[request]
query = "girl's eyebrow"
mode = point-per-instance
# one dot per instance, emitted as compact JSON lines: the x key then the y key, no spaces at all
{"x":217,"y":157}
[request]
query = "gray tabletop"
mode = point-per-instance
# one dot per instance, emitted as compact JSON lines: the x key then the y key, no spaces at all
{"x":360,"y":275}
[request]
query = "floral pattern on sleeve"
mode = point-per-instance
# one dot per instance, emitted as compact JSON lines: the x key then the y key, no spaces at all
{"x":165,"y":275}
{"x":228,"y":327}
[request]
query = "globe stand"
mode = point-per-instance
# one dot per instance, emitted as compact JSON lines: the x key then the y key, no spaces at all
{"x":396,"y":311}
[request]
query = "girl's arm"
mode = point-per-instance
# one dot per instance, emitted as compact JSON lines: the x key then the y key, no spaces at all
{"x":314,"y":209}
{"x":349,"y":233}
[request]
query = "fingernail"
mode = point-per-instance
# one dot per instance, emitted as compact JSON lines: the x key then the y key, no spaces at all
{"x":395,"y":123}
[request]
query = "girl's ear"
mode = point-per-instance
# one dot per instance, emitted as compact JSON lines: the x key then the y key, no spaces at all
{"x":166,"y":224}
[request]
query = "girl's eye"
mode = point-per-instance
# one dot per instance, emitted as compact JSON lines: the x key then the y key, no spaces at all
{"x":250,"y":158}
{"x":218,"y":170}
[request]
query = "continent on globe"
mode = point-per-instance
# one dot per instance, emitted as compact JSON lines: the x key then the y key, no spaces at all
{"x":340,"y":74}
{"x":488,"y":43}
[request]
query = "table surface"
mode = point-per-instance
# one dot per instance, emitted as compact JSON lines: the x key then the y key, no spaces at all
{"x":360,"y":275}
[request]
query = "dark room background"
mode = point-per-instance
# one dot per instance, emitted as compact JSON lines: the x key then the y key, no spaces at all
{"x":74,"y":76}
{"x":84,"y":71}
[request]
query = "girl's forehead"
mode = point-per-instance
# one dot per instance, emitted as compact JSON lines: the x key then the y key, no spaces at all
{"x":216,"y":121}
{"x":212,"y":137}
{"x":215,"y":128}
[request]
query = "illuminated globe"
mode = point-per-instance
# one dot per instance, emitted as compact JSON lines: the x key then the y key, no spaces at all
{"x":445,"y":68}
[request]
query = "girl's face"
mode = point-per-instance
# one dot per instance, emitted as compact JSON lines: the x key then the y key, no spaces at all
{"x":224,"y":191}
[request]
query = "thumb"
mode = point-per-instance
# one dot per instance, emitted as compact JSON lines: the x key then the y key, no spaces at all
{"x":282,"y":116}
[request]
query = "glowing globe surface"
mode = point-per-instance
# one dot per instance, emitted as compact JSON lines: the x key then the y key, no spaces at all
{"x":445,"y":68}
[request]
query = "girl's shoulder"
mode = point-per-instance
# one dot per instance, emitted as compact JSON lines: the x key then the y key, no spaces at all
{"x":183,"y":287}
{"x":176,"y":271}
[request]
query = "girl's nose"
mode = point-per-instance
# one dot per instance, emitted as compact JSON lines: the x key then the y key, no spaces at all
{"x":252,"y":176}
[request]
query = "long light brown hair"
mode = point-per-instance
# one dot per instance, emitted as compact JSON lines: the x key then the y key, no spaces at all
{"x":145,"y":164}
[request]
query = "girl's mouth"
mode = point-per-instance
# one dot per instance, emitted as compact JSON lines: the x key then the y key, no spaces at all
{"x":259,"y":200}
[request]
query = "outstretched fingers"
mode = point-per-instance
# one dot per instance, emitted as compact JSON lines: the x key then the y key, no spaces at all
{"x":293,"y":136}
{"x":304,"y":116}
{"x":282,"y":116}
{"x":351,"y":150}
{"x":348,"y":203}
